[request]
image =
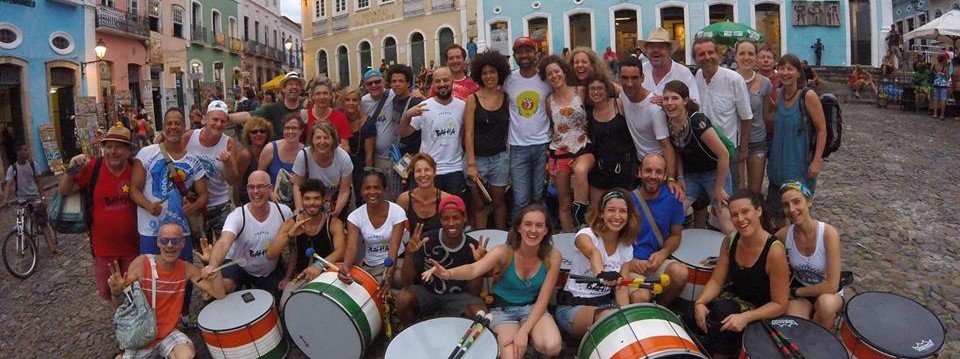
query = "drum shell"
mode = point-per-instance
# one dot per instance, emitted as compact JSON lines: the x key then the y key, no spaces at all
{"x":261,"y":337}
{"x":695,"y":245}
{"x":660,"y":333}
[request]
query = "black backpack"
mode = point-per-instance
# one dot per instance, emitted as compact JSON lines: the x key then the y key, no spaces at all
{"x":833,"y":119}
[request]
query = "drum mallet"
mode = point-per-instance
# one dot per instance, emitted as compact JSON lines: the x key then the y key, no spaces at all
{"x":476,"y":319}
{"x":387,"y":308}
{"x":785,"y":345}
{"x":311,"y":253}
{"x":664,"y":280}
{"x":235,"y":262}
{"x":483,"y":324}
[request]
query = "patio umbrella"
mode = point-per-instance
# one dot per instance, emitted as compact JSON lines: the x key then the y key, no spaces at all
{"x":728,"y":32}
{"x":273,"y":84}
{"x":945,"y":28}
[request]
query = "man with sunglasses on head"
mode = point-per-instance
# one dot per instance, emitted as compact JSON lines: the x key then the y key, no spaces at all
{"x":172,"y":275}
{"x":218,"y":156}
{"x":247,"y":233}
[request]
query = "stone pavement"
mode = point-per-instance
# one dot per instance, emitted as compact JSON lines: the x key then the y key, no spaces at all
{"x":892,"y":191}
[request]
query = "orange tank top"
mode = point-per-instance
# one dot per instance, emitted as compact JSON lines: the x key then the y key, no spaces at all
{"x":171,"y":287}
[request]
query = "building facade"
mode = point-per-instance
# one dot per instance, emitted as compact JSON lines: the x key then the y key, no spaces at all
{"x":167,"y":58}
{"x":851,"y":30}
{"x":42,"y":49}
{"x":292,"y":35}
{"x":214,"y":51}
{"x":262,"y":41}
{"x":343,"y":38}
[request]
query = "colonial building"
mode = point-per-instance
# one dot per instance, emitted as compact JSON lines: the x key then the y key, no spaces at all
{"x":167,"y":57}
{"x":851,"y":30}
{"x":214,"y":50}
{"x":263,"y":37}
{"x":342,"y":38}
{"x":42,"y":48}
{"x":292,"y":36}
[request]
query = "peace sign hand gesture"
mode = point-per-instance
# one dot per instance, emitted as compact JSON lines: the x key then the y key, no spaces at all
{"x":115,"y":281}
{"x":415,"y":243}
{"x":206,"y":250}
{"x":479,"y":250}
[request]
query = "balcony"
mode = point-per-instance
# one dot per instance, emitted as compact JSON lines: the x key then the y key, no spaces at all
{"x":443,"y":5}
{"x":219,"y":40}
{"x":320,"y":27}
{"x":198,"y":34}
{"x":341,"y":22}
{"x":250,"y":47}
{"x":412,"y":7}
{"x":120,"y":23}
{"x":236,"y":45}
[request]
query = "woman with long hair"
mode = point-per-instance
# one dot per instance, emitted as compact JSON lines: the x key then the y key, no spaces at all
{"x":790,"y":157}
{"x":329,"y":163}
{"x":256,"y":135}
{"x":604,"y":250}
{"x":528,"y":267}
{"x":277,"y":159}
{"x":760,"y":89}
{"x":363,"y":135}
{"x":613,"y":148}
{"x":704,"y":160}
{"x":750,"y":281}
{"x":421,"y":204}
{"x":569,"y":152}
{"x":377,"y":225}
{"x":585,"y":63}
{"x":485,"y":123}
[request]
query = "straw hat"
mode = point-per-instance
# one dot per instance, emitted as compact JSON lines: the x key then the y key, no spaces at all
{"x":658,"y":35}
{"x":117,"y":133}
{"x":293,"y":75}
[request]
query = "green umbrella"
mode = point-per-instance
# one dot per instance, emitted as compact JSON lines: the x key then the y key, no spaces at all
{"x":727,"y":32}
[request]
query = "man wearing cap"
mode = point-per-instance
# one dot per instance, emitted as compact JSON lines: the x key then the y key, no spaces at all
{"x":377,"y":104}
{"x":112,"y":215}
{"x":450,"y":247}
{"x":217,"y":153}
{"x":661,"y":69}
{"x":291,"y":86}
{"x":529,"y":131}
{"x":463,"y":85}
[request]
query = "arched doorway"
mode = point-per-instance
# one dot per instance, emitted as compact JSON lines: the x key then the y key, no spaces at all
{"x":322,"y":70}
{"x":416,"y":52}
{"x":445,"y":38}
{"x":343,"y":66}
{"x":12,"y":109}
{"x":390,"y":50}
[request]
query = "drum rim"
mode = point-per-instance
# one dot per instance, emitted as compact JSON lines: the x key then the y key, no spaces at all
{"x":690,"y":265}
{"x":860,"y":337}
{"x":628,"y":306}
{"x":271,"y":308}
{"x":356,"y":326}
{"x":743,"y":338}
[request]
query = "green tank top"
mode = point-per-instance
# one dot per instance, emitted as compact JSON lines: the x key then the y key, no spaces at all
{"x":514,"y":290}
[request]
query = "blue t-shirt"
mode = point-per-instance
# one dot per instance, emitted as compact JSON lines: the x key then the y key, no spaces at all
{"x":667,"y":211}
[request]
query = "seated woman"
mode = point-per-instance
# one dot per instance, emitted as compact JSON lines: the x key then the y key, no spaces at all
{"x":749,"y":283}
{"x":813,"y":250}
{"x":861,"y":79}
{"x":422,"y":203}
{"x":527,"y":267}
{"x":604,"y":250}
{"x":378,"y":226}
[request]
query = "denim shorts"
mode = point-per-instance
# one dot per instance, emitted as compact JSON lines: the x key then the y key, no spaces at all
{"x":699,"y":184}
{"x":939,"y":93}
{"x":566,"y":313}
{"x":515,"y":314}
{"x":493,"y":170}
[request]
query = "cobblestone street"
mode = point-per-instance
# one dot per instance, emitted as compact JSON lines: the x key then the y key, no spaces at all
{"x":892,"y":191}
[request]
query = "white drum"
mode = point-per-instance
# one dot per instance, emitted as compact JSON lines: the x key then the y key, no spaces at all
{"x":496,"y":236}
{"x":244,"y":324}
{"x":436,"y":338}
{"x":697,"y":245}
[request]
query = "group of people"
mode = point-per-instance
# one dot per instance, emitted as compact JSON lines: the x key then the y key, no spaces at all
{"x":628,"y":159}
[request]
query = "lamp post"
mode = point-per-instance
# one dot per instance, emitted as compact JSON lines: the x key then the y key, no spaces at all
{"x":294,"y":53}
{"x":101,"y":52}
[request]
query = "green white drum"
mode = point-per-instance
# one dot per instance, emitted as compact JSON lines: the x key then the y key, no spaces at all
{"x":639,"y":331}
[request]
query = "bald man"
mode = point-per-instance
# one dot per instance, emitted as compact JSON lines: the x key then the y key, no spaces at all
{"x":247,"y":232}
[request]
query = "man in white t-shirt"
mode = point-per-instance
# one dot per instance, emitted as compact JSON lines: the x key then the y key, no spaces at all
{"x":661,"y":69}
{"x":217,"y":153}
{"x":23,"y":184}
{"x":247,"y":233}
{"x":646,"y":121}
{"x":440,"y":120}
{"x":529,"y":132}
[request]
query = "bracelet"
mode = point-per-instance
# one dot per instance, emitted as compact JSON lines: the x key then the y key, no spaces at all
{"x":699,"y":303}
{"x":671,"y":179}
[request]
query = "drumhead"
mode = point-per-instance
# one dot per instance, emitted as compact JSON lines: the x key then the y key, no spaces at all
{"x":697,"y":244}
{"x":436,"y":338}
{"x":563,"y":242}
{"x":328,"y":319}
{"x":813,"y":340}
{"x":895,"y":325}
{"x":642,"y":330}
{"x":236,"y":310}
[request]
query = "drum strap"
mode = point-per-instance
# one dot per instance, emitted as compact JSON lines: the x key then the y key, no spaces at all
{"x":649,"y":216}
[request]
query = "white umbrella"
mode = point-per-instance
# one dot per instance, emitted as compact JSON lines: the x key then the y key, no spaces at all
{"x":945,"y":28}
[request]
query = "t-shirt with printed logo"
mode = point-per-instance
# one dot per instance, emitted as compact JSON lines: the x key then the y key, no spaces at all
{"x":255,"y":237}
{"x":441,"y":127}
{"x":159,"y":186}
{"x":114,"y":225}
{"x":376,"y":241}
{"x":529,"y":124}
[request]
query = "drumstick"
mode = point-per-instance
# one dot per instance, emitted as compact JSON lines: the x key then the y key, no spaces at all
{"x":476,"y":318}
{"x":311,"y":253}
{"x":238,"y":261}
{"x":786,"y":341}
{"x":776,"y":340}
{"x":483,"y":324}
{"x":387,"y":320}
{"x":663,"y":280}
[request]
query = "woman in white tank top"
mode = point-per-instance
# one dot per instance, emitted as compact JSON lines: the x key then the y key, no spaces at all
{"x":813,"y":250}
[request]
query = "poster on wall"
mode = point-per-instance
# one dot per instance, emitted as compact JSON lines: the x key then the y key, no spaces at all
{"x":48,"y":139}
{"x":87,"y":125}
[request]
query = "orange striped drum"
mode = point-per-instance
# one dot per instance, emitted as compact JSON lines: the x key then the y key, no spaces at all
{"x":638,"y":331}
{"x":695,"y":246}
{"x":244,"y":324}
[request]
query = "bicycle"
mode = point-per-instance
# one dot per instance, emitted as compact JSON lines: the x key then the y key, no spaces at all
{"x":21,"y":245}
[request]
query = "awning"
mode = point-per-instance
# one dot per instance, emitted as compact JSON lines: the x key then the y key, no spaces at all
{"x":273,"y":84}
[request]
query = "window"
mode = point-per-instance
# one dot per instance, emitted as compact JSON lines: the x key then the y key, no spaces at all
{"x":233,"y":28}
{"x":177,"y":12}
{"x":721,"y":12}
{"x":134,"y":7}
{"x":153,"y":20}
{"x":196,"y":15}
{"x":363,"y":4}
{"x":61,"y":43}
{"x":339,"y":7}
{"x":246,"y":28}
{"x":10,"y":36}
{"x":322,"y":64}
{"x":390,"y":50}
{"x":108,"y":3}
{"x":217,"y":28}
{"x":366,"y":58}
{"x":343,"y":66}
{"x":416,"y":52}
{"x":500,"y":37}
{"x":445,"y":37}
{"x":320,"y":9}
{"x":256,"y":31}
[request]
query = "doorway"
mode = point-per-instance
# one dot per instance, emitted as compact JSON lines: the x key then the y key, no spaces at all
{"x":11,"y":110}
{"x":62,"y":82}
{"x":626,"y":31}
{"x":672,"y":19}
{"x":860,"y":49}
{"x":580,"y":31}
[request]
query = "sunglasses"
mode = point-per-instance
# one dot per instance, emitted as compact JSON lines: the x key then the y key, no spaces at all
{"x":374,"y":82}
{"x":167,"y":240}
{"x":258,"y":132}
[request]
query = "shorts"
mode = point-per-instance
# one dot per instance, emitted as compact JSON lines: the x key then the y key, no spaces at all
{"x":562,"y":161}
{"x":939,"y":93}
{"x":703,"y":183}
{"x":613,"y":171}
{"x":566,"y":313}
{"x":240,"y":277}
{"x":758,"y":149}
{"x":450,"y":304}
{"x":213,"y":219}
{"x":101,"y":271}
{"x":163,"y":348}
{"x":493,"y":170}
{"x":514,"y":314}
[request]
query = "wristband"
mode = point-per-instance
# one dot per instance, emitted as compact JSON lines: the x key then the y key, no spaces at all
{"x":671,"y":179}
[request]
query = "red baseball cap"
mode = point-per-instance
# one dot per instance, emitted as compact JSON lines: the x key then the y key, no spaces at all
{"x":453,"y":202}
{"x":524,"y":41}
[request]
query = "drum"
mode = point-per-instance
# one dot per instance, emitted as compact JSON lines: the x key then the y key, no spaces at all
{"x":436,"y":338}
{"x":813,"y":340}
{"x":563,"y":242}
{"x":244,"y":324}
{"x":642,"y":330}
{"x":695,"y":246}
{"x":329,"y":319}
{"x":885,"y":325}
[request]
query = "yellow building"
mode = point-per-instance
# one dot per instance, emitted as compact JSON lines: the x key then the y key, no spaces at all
{"x":342,"y":38}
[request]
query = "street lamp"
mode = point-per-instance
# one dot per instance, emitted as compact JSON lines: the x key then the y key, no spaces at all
{"x":101,"y":52}
{"x":294,"y":53}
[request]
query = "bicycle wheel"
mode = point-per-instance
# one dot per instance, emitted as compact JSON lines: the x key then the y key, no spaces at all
{"x":20,"y":260}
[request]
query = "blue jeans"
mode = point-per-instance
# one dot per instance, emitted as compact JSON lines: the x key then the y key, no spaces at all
{"x":699,"y":184}
{"x":528,"y":166}
{"x":516,"y":314}
{"x":452,"y":183}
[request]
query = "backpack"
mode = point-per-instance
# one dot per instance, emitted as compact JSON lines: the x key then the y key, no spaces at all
{"x":243,"y":217}
{"x":833,"y":119}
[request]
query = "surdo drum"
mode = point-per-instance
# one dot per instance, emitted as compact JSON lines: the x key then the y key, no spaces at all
{"x":638,"y":331}
{"x":244,"y":324}
{"x":696,"y":245}
{"x":884,"y":325}
{"x":436,"y":338}
{"x":813,"y":340}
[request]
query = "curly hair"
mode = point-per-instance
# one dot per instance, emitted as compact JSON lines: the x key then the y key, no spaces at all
{"x":490,"y":58}
{"x":554,"y":59}
{"x":254,"y":123}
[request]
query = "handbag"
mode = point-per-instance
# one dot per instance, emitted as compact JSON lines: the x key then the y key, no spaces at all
{"x":135,"y":319}
{"x":68,"y":214}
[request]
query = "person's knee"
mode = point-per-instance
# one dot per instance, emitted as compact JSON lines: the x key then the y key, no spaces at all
{"x":640,"y":296}
{"x":828,"y":304}
{"x":406,"y":300}
{"x":678,"y":274}
{"x":182,"y":351}
{"x":549,"y":345}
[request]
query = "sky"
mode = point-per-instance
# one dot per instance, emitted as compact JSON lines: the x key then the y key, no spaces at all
{"x":290,"y":9}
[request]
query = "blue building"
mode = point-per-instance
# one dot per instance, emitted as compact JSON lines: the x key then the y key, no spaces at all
{"x":42,"y":47}
{"x":852,"y":30}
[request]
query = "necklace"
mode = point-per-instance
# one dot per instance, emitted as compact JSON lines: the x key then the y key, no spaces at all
{"x":790,"y":98}
{"x":754,"y":77}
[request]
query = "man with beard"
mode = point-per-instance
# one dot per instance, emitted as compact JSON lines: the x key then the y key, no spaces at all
{"x":440,"y":119}
{"x":291,"y":86}
{"x":463,"y":85}
{"x":217,"y":153}
{"x":247,"y":234}
{"x":113,"y":215}
{"x":450,"y":247}
{"x":529,"y":132}
{"x":661,"y":69}
{"x":400,"y":77}
{"x":652,"y":248}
